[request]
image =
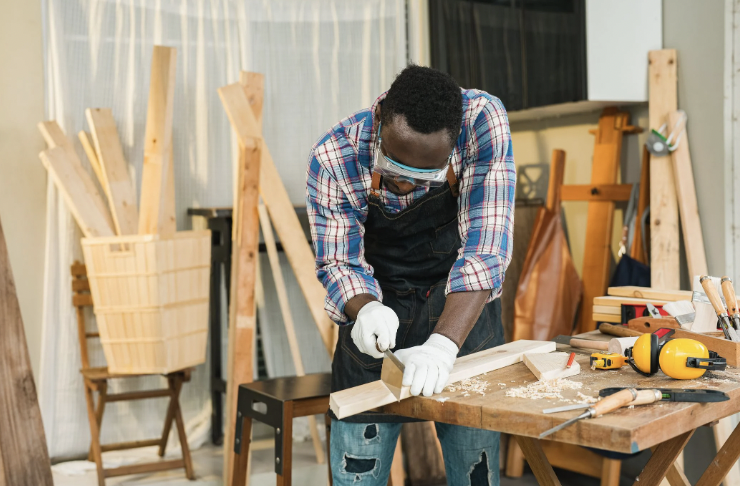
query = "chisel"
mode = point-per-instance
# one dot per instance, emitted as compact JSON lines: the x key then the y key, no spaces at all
{"x":728,"y":290}
{"x":628,"y":396}
{"x":719,"y":308}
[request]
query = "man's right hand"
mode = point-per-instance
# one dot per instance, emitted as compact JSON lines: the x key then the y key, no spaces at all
{"x":375,"y":323}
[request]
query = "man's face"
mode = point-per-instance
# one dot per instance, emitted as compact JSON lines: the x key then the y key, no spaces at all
{"x":423,"y":151}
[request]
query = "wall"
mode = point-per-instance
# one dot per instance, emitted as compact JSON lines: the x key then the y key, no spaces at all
{"x":23,"y":180}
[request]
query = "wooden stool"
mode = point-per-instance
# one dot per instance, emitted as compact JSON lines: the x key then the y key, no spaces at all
{"x":284,"y":398}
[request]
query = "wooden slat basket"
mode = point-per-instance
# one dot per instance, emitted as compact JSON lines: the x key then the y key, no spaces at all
{"x":150,"y":297}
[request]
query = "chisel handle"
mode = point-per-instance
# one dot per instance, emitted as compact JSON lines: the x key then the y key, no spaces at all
{"x":647,"y":396}
{"x":728,"y":290}
{"x":613,"y":402}
{"x":713,"y":295}
{"x":619,"y":331}
{"x":587,"y":343}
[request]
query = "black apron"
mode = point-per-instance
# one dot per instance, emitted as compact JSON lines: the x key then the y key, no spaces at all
{"x":412,"y":253}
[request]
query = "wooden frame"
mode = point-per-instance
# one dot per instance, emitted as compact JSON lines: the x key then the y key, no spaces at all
{"x":96,"y":380}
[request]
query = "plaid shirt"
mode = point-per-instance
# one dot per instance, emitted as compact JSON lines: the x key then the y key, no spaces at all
{"x":339,"y":180}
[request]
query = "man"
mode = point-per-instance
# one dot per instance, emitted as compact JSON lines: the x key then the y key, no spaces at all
{"x":411,"y":211}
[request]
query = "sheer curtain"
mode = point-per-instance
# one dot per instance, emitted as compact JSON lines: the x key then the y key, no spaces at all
{"x":322,"y":60}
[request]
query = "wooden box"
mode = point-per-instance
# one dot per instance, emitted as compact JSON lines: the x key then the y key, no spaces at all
{"x":151,"y":299}
{"x":715,"y":341}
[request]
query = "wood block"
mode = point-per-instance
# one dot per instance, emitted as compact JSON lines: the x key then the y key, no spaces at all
{"x":79,"y":192}
{"x":376,"y":394}
{"x":24,"y":458}
{"x":715,"y":342}
{"x":154,"y":216}
{"x":615,"y":301}
{"x":663,"y":99}
{"x":650,"y":293}
{"x":120,"y":190}
{"x":550,"y":366}
{"x":652,"y":324}
{"x":613,"y":318}
{"x":608,"y":309}
{"x":392,"y":376}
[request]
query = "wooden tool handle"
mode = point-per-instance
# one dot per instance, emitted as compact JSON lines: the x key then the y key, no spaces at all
{"x":728,"y":290}
{"x":619,"y":331}
{"x":613,"y":402}
{"x":586,"y":343}
{"x":711,"y":292}
{"x":646,"y":396}
{"x":652,"y":324}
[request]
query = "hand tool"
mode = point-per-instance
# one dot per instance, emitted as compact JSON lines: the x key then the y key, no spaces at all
{"x":731,"y":299}
{"x":607,"y":361}
{"x":632,"y":311}
{"x":582,"y":343}
{"x":682,"y":310}
{"x":681,"y":358}
{"x":724,"y":318}
{"x":678,"y":394}
{"x":651,"y":324}
{"x":653,"y":311}
{"x":609,"y":404}
{"x":571,"y":358}
{"x":389,"y":354}
{"x":617,"y":330}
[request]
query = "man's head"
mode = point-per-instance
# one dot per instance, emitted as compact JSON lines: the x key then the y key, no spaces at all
{"x":421,"y":118}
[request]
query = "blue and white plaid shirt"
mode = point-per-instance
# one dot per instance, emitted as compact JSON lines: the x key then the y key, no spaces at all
{"x":338,"y":183}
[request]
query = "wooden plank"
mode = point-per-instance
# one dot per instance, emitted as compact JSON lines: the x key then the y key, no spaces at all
{"x":154,"y":208}
{"x":637,"y":250}
{"x":663,"y":99}
{"x":616,"y":301}
{"x":290,"y":232}
{"x":120,"y":190}
{"x":282,"y":294}
{"x":650,"y":293}
{"x":662,"y":459}
{"x":537,"y":461}
{"x":87,"y":146}
{"x":550,"y":366}
{"x":375,"y":394}
{"x":79,"y":192}
{"x":723,"y":431}
{"x":596,"y":192}
{"x":597,"y":254}
{"x":683,"y":174}
{"x":24,"y":459}
{"x":612,"y":318}
{"x":608,"y":309}
{"x":242,"y":312}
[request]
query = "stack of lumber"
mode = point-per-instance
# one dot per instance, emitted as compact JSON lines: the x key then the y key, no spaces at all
{"x":103,"y":200}
{"x":609,"y":307}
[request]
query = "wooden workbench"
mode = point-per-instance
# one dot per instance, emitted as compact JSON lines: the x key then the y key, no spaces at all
{"x":667,"y":425}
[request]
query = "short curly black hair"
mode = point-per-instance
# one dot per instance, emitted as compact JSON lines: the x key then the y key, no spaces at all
{"x":428,"y":99}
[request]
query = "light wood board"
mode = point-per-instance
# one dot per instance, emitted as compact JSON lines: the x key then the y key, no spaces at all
{"x":649,"y":293}
{"x":376,"y":394}
{"x":79,"y":192}
{"x":24,"y":459}
{"x":683,"y":173}
{"x":120,"y":190}
{"x":616,"y":301}
{"x":663,"y":99}
{"x":87,"y":146}
{"x":550,"y":366}
{"x":156,"y":183}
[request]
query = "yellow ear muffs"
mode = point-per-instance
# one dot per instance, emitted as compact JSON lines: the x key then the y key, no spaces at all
{"x":686,"y":359}
{"x":643,"y":356}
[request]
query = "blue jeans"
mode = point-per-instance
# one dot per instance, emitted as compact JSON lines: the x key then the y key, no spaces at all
{"x":361,"y":454}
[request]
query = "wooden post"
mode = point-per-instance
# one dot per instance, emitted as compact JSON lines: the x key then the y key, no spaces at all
{"x":664,"y":266}
{"x":242,"y":314}
{"x":24,"y":459}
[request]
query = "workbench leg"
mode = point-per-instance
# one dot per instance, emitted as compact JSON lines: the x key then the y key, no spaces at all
{"x":662,"y":459}
{"x":723,"y":461}
{"x":537,"y":461}
{"x":676,"y":477}
{"x":514,"y":459}
{"x":610,"y":470}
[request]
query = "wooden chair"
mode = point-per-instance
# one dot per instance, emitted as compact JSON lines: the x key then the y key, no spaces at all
{"x":96,"y":380}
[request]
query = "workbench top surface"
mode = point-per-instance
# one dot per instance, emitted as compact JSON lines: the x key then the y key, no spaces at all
{"x":625,"y":430}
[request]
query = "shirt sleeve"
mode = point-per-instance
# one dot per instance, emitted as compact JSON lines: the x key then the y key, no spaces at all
{"x":486,"y":205}
{"x":337,"y":235}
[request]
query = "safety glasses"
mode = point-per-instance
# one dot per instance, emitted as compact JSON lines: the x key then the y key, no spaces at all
{"x":399,"y":172}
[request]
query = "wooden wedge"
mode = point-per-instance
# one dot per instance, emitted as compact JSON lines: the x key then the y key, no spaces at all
{"x":120,"y":190}
{"x":156,"y":208}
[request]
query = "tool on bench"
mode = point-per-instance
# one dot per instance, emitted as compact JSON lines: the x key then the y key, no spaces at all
{"x":632,"y":311}
{"x":667,"y":395}
{"x":653,"y":311}
{"x":698,"y":395}
{"x":731,"y":299}
{"x":607,"y":361}
{"x":389,"y":354}
{"x":616,"y":345}
{"x":626,"y":397}
{"x":571,"y":358}
{"x":682,"y":359}
{"x":617,"y":330}
{"x":719,"y":308}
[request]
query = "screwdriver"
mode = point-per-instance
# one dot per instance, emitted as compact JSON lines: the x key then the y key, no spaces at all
{"x":628,"y":396}
{"x":731,"y":299}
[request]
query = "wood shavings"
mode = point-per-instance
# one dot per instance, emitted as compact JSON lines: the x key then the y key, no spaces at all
{"x":544,"y":389}
{"x":470,"y":385}
{"x":442,"y":399}
{"x":585,"y":398}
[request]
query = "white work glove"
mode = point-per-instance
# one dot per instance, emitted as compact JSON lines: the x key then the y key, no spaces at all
{"x":375,"y":323}
{"x":428,"y":366}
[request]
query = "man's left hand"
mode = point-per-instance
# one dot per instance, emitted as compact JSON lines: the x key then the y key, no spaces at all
{"x":428,"y":366}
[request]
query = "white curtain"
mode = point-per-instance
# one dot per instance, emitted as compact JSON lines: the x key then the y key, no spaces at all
{"x":322,"y":60}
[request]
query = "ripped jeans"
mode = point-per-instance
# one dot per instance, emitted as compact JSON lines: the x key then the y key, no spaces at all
{"x":361,"y":454}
